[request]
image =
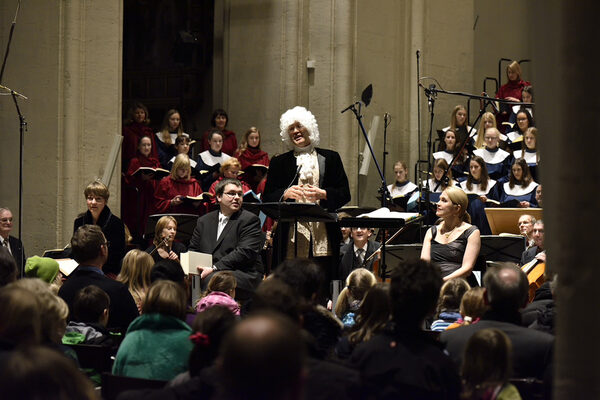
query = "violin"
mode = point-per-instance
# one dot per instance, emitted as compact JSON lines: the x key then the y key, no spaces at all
{"x":376,"y":270}
{"x":535,"y":270}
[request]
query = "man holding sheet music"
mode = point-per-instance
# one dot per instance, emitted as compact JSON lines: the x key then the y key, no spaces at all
{"x":233,"y":237}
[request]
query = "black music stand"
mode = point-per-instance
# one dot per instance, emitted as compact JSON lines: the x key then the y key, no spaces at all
{"x":502,"y":248}
{"x":185,"y":226}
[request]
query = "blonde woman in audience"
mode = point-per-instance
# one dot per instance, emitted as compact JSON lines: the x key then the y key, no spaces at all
{"x":357,"y":284}
{"x":135,"y":274}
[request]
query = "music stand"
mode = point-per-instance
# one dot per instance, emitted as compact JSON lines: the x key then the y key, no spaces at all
{"x":502,"y":248}
{"x":400,"y":253}
{"x":185,"y":226}
{"x":505,"y":220}
{"x":355,"y":211}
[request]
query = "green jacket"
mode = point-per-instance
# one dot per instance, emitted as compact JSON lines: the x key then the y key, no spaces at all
{"x":156,"y":346}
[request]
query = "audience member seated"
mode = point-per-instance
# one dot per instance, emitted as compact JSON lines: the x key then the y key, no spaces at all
{"x":89,"y":319}
{"x":182,"y":146}
{"x":511,"y":90}
{"x":220,"y":292}
{"x":170,"y":131}
{"x":497,"y":161}
{"x":21,"y":320}
{"x":96,"y":196}
{"x":546,"y":310}
{"x":529,"y":151}
{"x":472,"y":307}
{"x":372,"y":316}
{"x":11,"y":243}
{"x":163,"y":244}
{"x":135,"y":274}
{"x":219,"y":122}
{"x":173,"y":189}
{"x":506,"y":291}
{"x":537,"y":251}
{"x":447,"y":311}
{"x":435,"y":184}
{"x":90,"y":250}
{"x":356,"y":253}
{"x":358,"y":282}
{"x":520,"y":185}
{"x":157,"y":344}
{"x":525,"y":224}
{"x":402,"y":186}
{"x":453,"y":244}
{"x":135,"y":127}
{"x":46,"y":269}
{"x":137,"y":205}
{"x":211,"y":159}
{"x":230,"y":169}
{"x":249,"y":153}
{"x":524,"y":122}
{"x":233,"y":237}
{"x":8,"y":268}
{"x":403,"y":361}
{"x":41,"y":373}
{"x":487,"y":366}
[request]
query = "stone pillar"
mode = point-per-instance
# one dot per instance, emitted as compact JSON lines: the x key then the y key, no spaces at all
{"x":566,"y":81}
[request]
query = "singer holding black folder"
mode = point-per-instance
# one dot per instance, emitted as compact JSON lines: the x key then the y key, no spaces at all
{"x":307,"y":174}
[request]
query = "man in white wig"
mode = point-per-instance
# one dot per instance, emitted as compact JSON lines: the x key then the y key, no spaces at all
{"x":321,"y":180}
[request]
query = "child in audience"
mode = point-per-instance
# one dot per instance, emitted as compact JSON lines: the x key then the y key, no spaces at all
{"x":89,"y":319}
{"x":220,"y":292}
{"x":357,"y":284}
{"x":47,"y":269}
{"x":135,"y":274}
{"x":472,"y":307}
{"x":451,"y":295}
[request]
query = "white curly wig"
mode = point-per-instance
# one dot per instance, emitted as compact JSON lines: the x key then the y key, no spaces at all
{"x":306,"y":118}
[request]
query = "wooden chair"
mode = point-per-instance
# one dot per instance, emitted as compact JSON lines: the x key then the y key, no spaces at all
{"x":113,"y":385}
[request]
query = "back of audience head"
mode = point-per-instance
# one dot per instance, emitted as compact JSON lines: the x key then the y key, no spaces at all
{"x":8,"y":267}
{"x":167,"y":298}
{"x":304,"y":276}
{"x":414,"y":291}
{"x":263,"y":358}
{"x":274,"y":295}
{"x":486,"y":362}
{"x":374,"y":313}
{"x":451,"y":294}
{"x":42,"y":373}
{"x":357,"y":284}
{"x":223,"y":281}
{"x":209,"y":327}
{"x":167,"y":270}
{"x":20,"y":315}
{"x":472,"y":305}
{"x":88,"y":243}
{"x":135,"y":270}
{"x":91,"y":305}
{"x":47,"y":269}
{"x":506,"y":287}
{"x":220,"y":282}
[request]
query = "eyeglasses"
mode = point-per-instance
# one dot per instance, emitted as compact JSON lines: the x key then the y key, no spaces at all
{"x":233,"y":195}
{"x":5,"y":220}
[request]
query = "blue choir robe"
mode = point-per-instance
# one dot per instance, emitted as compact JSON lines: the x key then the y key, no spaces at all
{"x":497,"y":162}
{"x":519,"y":193}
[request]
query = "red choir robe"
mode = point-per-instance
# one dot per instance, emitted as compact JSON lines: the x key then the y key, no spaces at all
{"x":169,"y":188}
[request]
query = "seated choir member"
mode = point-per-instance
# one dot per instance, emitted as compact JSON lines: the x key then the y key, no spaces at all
{"x":171,"y":130}
{"x":526,"y":97}
{"x":182,"y":146}
{"x":497,"y":161}
{"x":511,"y":90}
{"x":439,"y":166}
{"x":458,"y":124}
{"x":172,"y":190}
{"x":233,"y":237}
{"x":520,"y":185}
{"x":488,"y":120}
{"x":451,"y":147}
{"x":524,"y":122}
{"x":402,"y":186}
{"x":478,"y":182}
{"x":355,"y":254}
{"x":219,"y":122}
{"x":529,"y":151}
{"x":321,"y":179}
{"x":539,"y":196}
{"x":249,"y":153}
{"x":213,"y":157}
{"x":13,"y":245}
{"x":453,"y":244}
{"x":164,"y":245}
{"x":136,"y":127}
{"x":139,"y":204}
{"x":538,"y":250}
{"x":230,"y":169}
{"x":96,"y":196}
{"x":525,"y":224}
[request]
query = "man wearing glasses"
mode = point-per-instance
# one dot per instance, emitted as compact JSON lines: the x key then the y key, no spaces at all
{"x":233,"y":237}
{"x":11,"y":243}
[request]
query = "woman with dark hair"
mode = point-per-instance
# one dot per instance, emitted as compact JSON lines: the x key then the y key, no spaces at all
{"x":453,"y":244}
{"x":478,"y":182}
{"x":520,"y":185}
{"x":524,"y":122}
{"x":529,"y":150}
{"x":452,"y":145}
{"x":172,"y":189}
{"x":219,"y":121}
{"x":135,"y":127}
{"x":170,"y":130}
{"x":439,"y":166}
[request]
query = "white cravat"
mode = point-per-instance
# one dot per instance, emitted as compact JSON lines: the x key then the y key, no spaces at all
{"x":223,"y":220}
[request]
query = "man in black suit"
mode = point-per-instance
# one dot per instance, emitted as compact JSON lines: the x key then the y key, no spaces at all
{"x":537,"y":250}
{"x":12,"y":244}
{"x":233,"y":237}
{"x":355,"y":254}
{"x":90,"y":250}
{"x":506,"y":291}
